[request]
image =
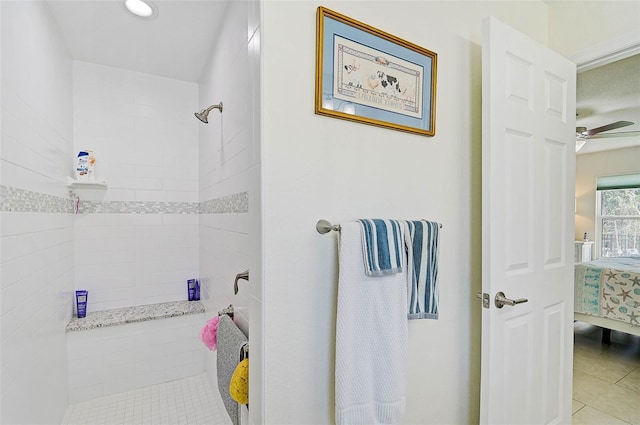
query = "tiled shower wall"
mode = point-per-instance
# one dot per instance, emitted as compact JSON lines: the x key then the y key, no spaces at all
{"x":228,"y":170}
{"x":137,"y":241}
{"x":36,"y":226}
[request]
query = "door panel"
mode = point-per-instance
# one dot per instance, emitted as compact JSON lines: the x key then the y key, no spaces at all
{"x":518,"y":332}
{"x":518,"y":201}
{"x":553,"y":371}
{"x":554,"y":203}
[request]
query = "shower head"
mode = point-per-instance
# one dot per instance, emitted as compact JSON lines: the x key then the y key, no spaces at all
{"x":202,"y":115}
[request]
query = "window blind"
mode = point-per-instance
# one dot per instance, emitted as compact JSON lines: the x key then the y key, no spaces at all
{"x":626,"y":181}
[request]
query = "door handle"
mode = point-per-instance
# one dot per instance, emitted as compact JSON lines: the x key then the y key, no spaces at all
{"x":500,"y":300}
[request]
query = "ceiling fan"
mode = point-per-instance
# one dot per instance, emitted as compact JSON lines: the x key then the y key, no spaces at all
{"x":583,"y":134}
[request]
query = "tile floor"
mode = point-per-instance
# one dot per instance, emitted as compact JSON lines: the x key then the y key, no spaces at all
{"x":188,"y":401}
{"x":606,"y":378}
{"x":606,"y":390}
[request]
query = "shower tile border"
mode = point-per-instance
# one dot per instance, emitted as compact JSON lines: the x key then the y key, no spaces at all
{"x":20,"y":200}
{"x":235,"y":203}
{"x":137,"y":207}
{"x":13,"y":199}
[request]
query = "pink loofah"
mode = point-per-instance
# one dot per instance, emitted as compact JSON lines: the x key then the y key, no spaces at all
{"x":209,"y":333}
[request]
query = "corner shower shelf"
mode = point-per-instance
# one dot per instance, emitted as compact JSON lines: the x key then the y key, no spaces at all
{"x":79,"y":184}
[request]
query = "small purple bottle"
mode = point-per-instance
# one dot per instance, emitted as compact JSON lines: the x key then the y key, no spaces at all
{"x":191,"y":289}
{"x":81,"y":303}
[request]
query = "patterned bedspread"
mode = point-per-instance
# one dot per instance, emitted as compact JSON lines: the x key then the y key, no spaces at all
{"x":609,"y":288}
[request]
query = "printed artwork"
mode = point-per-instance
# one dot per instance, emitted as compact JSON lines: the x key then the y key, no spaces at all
{"x":369,"y":77}
{"x":366,"y":75}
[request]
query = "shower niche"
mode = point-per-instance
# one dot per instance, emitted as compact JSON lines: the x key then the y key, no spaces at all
{"x":80,"y":184}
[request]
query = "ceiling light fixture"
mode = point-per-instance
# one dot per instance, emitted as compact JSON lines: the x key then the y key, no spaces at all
{"x":142,"y":9}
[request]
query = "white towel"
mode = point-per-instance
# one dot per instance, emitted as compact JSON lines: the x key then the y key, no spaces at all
{"x":371,"y":339}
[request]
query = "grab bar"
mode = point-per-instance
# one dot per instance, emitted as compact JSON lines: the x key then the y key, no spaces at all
{"x":244,"y":275}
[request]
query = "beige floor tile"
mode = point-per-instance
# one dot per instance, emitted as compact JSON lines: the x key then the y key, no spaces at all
{"x":631,"y":381}
{"x":590,"y":416}
{"x":575,"y":406}
{"x":601,"y":366}
{"x":606,"y":397}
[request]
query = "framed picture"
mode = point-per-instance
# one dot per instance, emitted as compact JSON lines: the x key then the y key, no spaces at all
{"x":366,"y":75}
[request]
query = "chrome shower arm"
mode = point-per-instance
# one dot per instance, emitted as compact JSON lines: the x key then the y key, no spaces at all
{"x":212,"y":107}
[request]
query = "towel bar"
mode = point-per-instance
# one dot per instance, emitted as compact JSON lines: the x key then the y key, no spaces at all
{"x":245,"y":347}
{"x":228,"y":311}
{"x":324,"y":226}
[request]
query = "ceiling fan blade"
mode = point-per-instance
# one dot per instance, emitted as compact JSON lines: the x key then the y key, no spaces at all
{"x":618,"y":134}
{"x":608,"y":127}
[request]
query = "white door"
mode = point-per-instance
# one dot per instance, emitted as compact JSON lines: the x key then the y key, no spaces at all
{"x":528,"y":172}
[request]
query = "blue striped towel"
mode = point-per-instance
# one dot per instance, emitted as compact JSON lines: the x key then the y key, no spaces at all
{"x":421,"y":240}
{"x":382,"y":246}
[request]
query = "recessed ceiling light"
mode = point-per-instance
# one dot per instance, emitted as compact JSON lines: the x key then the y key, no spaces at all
{"x":140,"y":8}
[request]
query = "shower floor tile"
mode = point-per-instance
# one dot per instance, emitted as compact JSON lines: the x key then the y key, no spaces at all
{"x":188,"y":401}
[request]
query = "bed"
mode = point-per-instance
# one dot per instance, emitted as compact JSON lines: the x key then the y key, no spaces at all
{"x":607,"y":294}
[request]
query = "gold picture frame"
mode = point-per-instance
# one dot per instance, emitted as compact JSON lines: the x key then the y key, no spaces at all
{"x":366,"y":75}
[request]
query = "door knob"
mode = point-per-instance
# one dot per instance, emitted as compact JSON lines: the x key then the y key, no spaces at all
{"x":501,"y":300}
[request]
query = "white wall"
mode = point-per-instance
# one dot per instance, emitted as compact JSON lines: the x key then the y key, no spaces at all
{"x":588,"y":168}
{"x":136,"y":242}
{"x":229,"y":174}
{"x":36,"y":221}
{"x":317,"y":167}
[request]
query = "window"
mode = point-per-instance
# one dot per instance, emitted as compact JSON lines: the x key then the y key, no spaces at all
{"x":618,"y":216}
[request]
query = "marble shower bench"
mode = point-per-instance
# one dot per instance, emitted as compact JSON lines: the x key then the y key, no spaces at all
{"x":139,"y":313}
{"x":123,"y":349}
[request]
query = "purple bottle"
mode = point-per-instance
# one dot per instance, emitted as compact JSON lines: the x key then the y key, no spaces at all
{"x":81,"y":303}
{"x":191,"y":289}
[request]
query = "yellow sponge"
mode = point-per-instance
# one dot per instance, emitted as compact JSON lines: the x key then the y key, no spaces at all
{"x":239,"y":385}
